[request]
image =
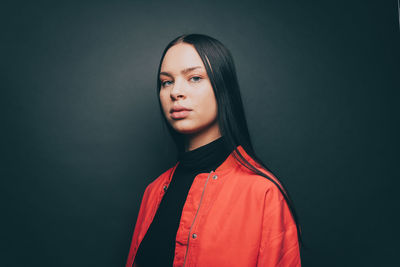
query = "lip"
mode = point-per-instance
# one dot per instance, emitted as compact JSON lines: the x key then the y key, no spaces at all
{"x":178,"y":108}
{"x":180,"y":114}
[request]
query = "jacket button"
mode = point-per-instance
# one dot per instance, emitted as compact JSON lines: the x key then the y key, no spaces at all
{"x":165,"y":188}
{"x":194,"y":235}
{"x":215,"y":177}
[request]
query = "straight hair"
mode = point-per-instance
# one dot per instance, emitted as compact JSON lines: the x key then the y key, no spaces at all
{"x":220,"y":68}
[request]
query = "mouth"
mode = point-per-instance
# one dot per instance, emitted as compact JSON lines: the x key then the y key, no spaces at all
{"x":180,"y":114}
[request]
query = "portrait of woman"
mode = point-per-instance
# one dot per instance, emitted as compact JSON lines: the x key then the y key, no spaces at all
{"x":200,"y":134}
{"x":219,"y":205}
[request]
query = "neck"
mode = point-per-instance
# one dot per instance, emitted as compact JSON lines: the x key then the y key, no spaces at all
{"x":205,"y":158}
{"x":200,"y":139}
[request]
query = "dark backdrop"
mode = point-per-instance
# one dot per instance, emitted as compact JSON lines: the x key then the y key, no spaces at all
{"x":82,"y":135}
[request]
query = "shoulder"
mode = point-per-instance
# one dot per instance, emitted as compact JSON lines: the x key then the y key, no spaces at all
{"x":263,"y":184}
{"x":268,"y":191}
{"x":160,"y":180}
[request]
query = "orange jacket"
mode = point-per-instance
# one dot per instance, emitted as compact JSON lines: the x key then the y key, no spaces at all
{"x":231,"y":217}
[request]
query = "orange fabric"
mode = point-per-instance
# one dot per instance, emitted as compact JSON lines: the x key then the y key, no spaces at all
{"x":231,"y":217}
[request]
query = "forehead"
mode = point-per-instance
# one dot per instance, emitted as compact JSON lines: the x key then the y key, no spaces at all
{"x":179,"y":57}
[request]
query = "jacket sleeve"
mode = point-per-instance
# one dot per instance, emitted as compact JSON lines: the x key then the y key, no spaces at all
{"x":279,"y":243}
{"x":140,"y":217}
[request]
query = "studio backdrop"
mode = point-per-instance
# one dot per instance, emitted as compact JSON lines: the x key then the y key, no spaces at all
{"x":82,"y":135}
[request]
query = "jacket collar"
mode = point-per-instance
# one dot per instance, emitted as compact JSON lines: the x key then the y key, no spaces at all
{"x":229,"y":164}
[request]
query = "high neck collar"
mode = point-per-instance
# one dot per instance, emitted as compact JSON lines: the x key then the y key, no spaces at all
{"x":206,"y":157}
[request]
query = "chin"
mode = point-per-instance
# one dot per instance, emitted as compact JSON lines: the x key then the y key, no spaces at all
{"x":185,"y":129}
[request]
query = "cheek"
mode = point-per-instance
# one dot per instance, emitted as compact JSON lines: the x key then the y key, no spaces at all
{"x":208,"y":105}
{"x":213,"y":110}
{"x":163,"y":102}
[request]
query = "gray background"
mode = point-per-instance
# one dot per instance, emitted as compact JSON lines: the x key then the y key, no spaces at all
{"x":82,"y":134}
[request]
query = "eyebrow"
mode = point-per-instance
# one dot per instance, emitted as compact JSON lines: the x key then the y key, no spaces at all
{"x":184,"y":71}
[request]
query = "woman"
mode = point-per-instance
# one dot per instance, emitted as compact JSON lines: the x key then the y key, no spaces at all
{"x":219,"y":205}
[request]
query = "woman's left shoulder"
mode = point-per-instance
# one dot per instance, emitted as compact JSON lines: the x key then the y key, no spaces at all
{"x":263,"y":184}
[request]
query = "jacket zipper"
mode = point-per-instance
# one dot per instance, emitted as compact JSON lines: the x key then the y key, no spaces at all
{"x":190,"y":230}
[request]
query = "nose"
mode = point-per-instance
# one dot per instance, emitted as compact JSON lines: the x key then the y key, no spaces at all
{"x":177,"y":90}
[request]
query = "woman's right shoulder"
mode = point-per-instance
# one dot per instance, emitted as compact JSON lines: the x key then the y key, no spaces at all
{"x":161,"y":180}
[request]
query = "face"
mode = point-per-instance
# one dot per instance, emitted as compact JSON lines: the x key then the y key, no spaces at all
{"x":185,"y":83}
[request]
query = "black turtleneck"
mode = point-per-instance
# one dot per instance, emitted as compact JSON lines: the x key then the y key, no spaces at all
{"x":158,"y":245}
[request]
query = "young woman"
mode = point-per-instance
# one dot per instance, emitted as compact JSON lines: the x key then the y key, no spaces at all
{"x":219,"y":205}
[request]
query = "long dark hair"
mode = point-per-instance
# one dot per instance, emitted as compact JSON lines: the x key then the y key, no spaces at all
{"x":221,"y":71}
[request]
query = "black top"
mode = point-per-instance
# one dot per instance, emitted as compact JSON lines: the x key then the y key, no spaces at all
{"x":158,"y":245}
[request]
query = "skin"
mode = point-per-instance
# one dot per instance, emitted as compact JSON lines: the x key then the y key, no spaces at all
{"x":191,"y":89}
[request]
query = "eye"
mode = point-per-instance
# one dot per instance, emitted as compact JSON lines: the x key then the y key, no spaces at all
{"x":165,"y":83}
{"x":195,"y":78}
